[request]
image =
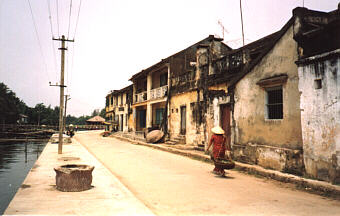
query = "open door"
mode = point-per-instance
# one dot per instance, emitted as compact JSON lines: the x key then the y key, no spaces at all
{"x":225,"y":121}
{"x":121,"y":122}
{"x":183,"y":120}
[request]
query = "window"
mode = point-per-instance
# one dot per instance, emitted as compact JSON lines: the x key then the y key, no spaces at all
{"x":111,"y":100}
{"x":274,"y":103}
{"x":116,"y":98}
{"x":121,"y":99}
{"x":107,"y":101}
{"x":159,"y":115}
{"x":163,"y":79}
{"x":127,"y":98}
{"x":317,"y":84}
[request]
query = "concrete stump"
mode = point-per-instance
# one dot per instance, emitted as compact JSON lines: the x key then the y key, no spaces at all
{"x":73,"y":177}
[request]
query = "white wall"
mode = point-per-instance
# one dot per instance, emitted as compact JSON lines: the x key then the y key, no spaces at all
{"x":320,"y":117}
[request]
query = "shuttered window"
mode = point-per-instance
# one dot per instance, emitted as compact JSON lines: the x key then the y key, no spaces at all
{"x":274,"y":103}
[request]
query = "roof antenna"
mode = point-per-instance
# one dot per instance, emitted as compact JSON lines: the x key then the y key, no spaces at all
{"x":223,"y":28}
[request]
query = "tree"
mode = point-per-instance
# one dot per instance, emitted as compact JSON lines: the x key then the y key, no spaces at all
{"x":10,"y":105}
{"x":102,"y":113}
{"x":95,"y":112}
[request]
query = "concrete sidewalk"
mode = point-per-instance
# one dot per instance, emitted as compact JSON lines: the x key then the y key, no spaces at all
{"x":314,"y":186}
{"x":38,"y":195}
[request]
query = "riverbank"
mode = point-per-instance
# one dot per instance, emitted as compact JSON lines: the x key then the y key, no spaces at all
{"x":38,"y":194}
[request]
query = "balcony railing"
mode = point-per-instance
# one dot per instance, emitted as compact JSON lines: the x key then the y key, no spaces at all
{"x":141,"y":97}
{"x":158,"y":92}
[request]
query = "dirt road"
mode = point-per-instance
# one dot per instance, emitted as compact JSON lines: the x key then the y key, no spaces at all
{"x":170,"y":184}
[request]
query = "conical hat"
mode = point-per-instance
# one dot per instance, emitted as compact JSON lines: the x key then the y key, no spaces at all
{"x":217,"y":130}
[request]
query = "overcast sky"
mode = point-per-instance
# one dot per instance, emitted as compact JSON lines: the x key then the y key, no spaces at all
{"x":116,"y":39}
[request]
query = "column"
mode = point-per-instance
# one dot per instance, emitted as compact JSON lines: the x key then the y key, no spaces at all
{"x":148,"y":115}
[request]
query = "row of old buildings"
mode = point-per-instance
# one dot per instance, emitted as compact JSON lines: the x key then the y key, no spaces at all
{"x":277,"y":98}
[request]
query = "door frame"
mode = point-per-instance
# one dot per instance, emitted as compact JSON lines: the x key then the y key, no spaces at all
{"x":226,"y":126}
{"x":183,"y":121}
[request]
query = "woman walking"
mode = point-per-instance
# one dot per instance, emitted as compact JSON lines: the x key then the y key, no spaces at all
{"x":218,"y":141}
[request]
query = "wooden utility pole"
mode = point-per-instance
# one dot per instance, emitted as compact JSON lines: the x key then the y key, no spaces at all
{"x":242,"y":22}
{"x":62,"y":86}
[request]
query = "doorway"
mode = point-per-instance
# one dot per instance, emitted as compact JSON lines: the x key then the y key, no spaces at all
{"x":121,"y":122}
{"x":225,"y":120}
{"x":183,"y":119}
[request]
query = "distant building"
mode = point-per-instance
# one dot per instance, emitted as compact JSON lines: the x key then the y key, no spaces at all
{"x":118,"y":109}
{"x":23,"y":119}
{"x":96,"y":120}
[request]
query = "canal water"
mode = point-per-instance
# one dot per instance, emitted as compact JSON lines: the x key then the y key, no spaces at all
{"x":16,"y":160}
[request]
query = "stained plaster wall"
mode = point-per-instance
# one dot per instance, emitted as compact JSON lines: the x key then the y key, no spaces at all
{"x":320,"y":116}
{"x":274,"y":144}
{"x":214,"y":114}
{"x":184,"y":99}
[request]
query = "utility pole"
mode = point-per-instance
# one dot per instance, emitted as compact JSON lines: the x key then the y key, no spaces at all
{"x":62,"y":86}
{"x":242,"y":22}
{"x":66,"y":99}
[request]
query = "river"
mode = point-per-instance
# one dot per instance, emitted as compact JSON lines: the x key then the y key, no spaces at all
{"x":16,"y":160}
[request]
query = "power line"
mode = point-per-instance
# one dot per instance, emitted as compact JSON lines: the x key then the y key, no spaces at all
{"x":75,"y":31}
{"x":49,"y":16}
{"x":69,"y":20}
{"x":57,"y":16}
{"x":36,"y":32}
{"x":72,"y":61}
{"x":54,"y":55}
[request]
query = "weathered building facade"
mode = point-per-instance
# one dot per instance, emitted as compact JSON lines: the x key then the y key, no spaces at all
{"x":318,"y":37}
{"x":118,"y":109}
{"x":150,"y":89}
{"x":164,"y":92}
{"x":276,"y":98}
{"x":187,"y":102}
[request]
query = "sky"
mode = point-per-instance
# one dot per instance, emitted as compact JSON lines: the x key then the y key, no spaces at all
{"x":114,"y":40}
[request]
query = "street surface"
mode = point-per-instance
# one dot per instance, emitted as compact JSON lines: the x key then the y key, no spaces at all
{"x":170,"y":184}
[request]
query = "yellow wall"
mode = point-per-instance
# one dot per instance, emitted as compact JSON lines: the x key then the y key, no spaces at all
{"x":249,"y":109}
{"x":175,"y":115}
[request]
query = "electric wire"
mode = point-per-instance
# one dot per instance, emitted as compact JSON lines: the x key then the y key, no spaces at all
{"x":69,"y":20}
{"x":75,"y":31}
{"x":57,"y":16}
{"x":37,"y":35}
{"x":72,"y":61}
{"x":54,"y":54}
{"x":67,"y":73}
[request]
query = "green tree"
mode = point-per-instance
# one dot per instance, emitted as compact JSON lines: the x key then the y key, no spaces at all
{"x":102,"y":113}
{"x":10,"y":105}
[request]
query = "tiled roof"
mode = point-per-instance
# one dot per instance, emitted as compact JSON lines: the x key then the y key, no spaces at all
{"x":96,"y":119}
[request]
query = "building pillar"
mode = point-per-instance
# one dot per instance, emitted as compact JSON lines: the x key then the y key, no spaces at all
{"x":169,"y":98}
{"x":134,"y":119}
{"x":148,"y":85}
{"x":148,"y":115}
{"x":148,"y":106}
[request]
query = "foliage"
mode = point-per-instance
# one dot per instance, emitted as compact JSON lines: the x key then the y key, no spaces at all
{"x":11,"y":107}
{"x":102,"y":113}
